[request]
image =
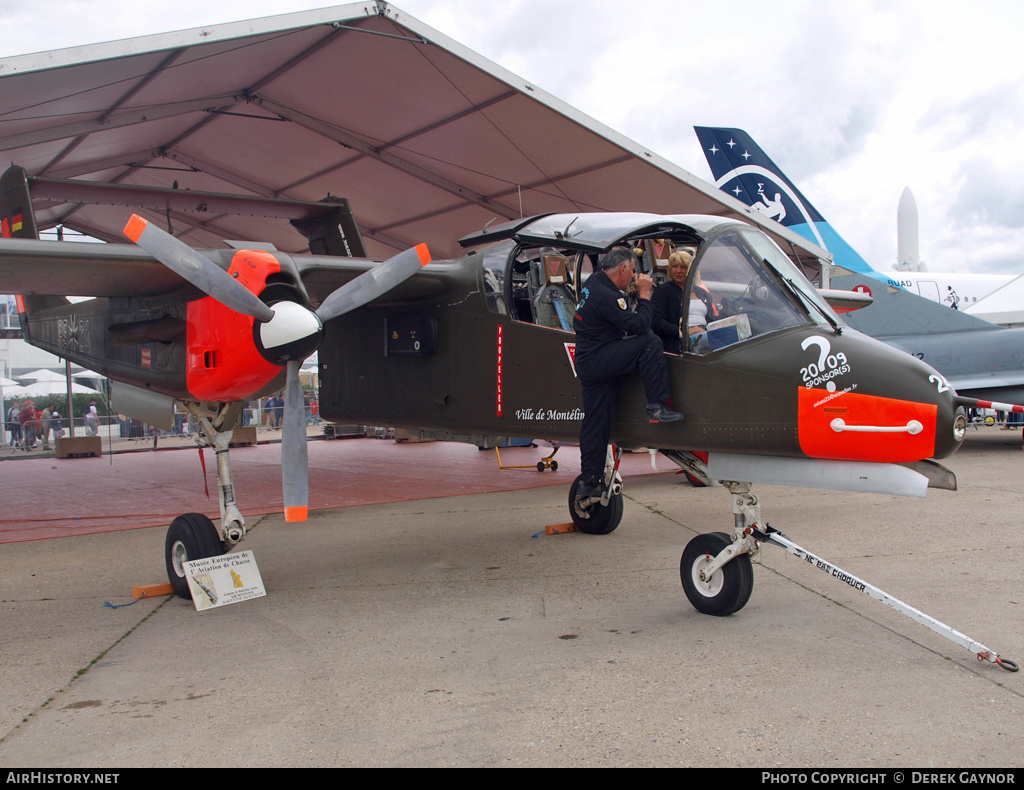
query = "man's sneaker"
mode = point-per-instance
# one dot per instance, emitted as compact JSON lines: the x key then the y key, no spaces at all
{"x":659,"y":412}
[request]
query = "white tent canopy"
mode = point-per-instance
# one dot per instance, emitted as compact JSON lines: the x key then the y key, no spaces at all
{"x":42,"y":375}
{"x":428,"y":140}
{"x":42,"y":389}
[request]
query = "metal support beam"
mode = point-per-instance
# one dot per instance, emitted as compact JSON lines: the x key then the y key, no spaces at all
{"x":348,"y":140}
{"x":117,"y":121}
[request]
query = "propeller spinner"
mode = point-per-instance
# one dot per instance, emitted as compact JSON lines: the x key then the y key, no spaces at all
{"x":285,"y":333}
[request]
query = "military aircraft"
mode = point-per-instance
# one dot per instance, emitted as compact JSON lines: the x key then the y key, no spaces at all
{"x":978,"y":359}
{"x":482,"y":347}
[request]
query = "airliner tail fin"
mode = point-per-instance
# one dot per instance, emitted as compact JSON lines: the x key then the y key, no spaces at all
{"x":742,"y":169}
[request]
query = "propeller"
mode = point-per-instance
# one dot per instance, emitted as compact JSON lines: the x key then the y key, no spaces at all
{"x":203,"y":273}
{"x":286,"y":332}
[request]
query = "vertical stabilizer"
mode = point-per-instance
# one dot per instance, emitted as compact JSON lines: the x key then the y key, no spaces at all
{"x":17,"y":220}
{"x":333,"y":233}
{"x":742,"y":169}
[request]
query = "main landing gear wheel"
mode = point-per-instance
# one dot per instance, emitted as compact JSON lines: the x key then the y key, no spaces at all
{"x":728,"y":590}
{"x":603,"y":518}
{"x":191,"y":536}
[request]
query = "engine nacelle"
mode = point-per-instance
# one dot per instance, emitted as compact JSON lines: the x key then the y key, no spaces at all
{"x":223,"y":362}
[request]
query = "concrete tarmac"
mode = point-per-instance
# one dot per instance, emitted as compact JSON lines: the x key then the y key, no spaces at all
{"x":446,"y":632}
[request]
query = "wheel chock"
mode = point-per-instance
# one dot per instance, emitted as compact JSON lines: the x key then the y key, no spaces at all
{"x":152,"y":590}
{"x":560,"y":529}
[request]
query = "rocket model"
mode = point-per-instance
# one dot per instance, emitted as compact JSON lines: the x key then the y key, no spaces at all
{"x":908,"y":257}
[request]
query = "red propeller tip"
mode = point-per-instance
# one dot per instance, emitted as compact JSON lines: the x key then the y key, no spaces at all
{"x":295,"y":513}
{"x":135,"y":227}
{"x":424,"y":253}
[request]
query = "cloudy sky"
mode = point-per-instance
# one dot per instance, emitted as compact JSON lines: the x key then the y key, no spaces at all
{"x":854,"y":101}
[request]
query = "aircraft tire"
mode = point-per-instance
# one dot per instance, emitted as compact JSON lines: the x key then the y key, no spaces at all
{"x":730,"y":587}
{"x":191,"y":536}
{"x":603,"y":519}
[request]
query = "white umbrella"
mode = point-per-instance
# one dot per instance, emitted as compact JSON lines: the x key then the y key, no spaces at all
{"x":6,"y":382}
{"x":43,"y":388}
{"x":43,"y":375}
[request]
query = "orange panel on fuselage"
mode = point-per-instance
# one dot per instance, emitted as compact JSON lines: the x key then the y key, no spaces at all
{"x":223,"y":363}
{"x":817,"y":408}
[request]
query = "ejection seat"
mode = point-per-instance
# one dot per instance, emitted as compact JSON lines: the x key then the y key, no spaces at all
{"x":655,"y":259}
{"x":554,"y":304}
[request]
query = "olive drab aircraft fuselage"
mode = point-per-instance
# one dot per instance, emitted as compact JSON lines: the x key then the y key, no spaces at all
{"x":482,"y":346}
{"x":492,"y":354}
{"x":779,"y":390}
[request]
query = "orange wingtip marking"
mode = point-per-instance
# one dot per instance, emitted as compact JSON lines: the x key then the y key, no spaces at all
{"x":135,"y":227}
{"x":424,"y":253}
{"x":296,"y":513}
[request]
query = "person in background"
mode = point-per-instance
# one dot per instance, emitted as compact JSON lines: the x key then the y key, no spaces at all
{"x":27,"y":417}
{"x":14,"y":423}
{"x":46,"y":424}
{"x":92,"y":419}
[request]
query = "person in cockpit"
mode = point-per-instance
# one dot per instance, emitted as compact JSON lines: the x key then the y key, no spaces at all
{"x":667,"y":306}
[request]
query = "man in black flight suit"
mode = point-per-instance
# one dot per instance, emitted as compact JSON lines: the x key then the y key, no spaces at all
{"x":611,"y":341}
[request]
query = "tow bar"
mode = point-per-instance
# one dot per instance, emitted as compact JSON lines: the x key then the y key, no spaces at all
{"x":772,"y":535}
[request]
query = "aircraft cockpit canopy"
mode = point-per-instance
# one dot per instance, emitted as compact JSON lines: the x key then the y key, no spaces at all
{"x":739,"y":286}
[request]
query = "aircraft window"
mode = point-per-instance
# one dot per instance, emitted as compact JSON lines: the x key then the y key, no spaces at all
{"x":770,"y":253}
{"x":495,"y":259}
{"x":734,"y":296}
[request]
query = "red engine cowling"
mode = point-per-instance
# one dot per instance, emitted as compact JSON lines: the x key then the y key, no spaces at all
{"x":223,"y":362}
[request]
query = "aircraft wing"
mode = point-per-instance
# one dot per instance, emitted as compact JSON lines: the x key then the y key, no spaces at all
{"x":321,"y":276}
{"x":28,"y":266}
{"x":55,"y":268}
{"x":1003,"y":306}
